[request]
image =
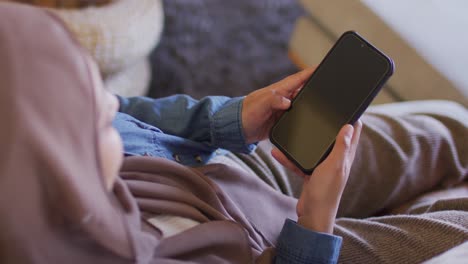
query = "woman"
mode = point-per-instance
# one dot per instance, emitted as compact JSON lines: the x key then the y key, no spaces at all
{"x":62,"y":201}
{"x":61,"y":155}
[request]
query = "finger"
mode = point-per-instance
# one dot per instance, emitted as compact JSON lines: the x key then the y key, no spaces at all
{"x":296,"y":92}
{"x":342,"y":146}
{"x":357,"y":132}
{"x":291,"y":83}
{"x":283,"y":160}
{"x":355,"y":139}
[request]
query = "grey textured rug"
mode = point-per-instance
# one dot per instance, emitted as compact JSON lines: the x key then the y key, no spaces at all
{"x":222,"y":47}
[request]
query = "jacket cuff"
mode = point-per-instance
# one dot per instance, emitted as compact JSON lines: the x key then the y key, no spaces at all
{"x":297,"y":244}
{"x":227,"y":129}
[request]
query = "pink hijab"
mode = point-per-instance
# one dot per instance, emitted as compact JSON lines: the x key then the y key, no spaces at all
{"x":54,"y":207}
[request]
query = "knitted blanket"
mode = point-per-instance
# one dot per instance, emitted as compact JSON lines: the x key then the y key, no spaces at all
{"x":119,"y":34}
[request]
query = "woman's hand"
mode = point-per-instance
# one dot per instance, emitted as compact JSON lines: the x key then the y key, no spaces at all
{"x":321,"y":191}
{"x":262,"y":108}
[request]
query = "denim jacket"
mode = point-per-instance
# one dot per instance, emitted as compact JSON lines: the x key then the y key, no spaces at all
{"x":191,"y":132}
{"x":180,"y":128}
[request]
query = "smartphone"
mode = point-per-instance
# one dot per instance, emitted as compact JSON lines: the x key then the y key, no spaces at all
{"x":337,"y":93}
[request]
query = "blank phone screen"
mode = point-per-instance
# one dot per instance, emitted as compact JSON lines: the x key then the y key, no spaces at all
{"x":335,"y":94}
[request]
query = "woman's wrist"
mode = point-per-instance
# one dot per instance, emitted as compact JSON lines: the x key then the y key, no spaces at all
{"x":318,"y":223}
{"x":318,"y":212}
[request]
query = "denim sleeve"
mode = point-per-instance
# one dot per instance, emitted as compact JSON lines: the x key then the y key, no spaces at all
{"x":300,"y":245}
{"x":141,"y":139}
{"x":214,"y":120}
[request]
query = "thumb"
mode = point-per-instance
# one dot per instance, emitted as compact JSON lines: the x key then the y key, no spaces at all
{"x":342,"y":144}
{"x":280,"y":102}
{"x":292,"y":82}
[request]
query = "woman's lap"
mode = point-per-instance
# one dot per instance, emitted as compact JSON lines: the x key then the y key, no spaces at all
{"x":406,"y":150}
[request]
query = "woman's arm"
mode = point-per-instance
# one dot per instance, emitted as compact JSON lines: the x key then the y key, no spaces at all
{"x":311,"y":239}
{"x":297,"y":244}
{"x":214,"y":121}
{"x":218,"y":121}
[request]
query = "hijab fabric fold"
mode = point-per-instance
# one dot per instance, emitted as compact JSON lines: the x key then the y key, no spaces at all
{"x":54,"y":207}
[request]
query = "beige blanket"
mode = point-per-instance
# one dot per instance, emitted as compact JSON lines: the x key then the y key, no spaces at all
{"x":406,"y":200}
{"x":119,"y":34}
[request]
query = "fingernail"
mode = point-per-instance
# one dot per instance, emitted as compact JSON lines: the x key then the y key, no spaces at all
{"x":286,"y":101}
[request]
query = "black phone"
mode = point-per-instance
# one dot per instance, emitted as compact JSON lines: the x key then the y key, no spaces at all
{"x":337,"y":93}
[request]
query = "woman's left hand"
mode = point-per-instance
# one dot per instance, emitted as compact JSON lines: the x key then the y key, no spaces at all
{"x":262,"y":108}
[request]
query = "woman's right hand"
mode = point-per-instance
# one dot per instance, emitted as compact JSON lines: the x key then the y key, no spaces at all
{"x":321,"y":191}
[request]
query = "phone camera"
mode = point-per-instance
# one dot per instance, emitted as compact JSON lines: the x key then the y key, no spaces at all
{"x":362,"y":45}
